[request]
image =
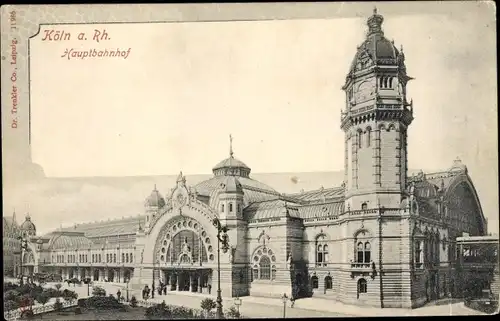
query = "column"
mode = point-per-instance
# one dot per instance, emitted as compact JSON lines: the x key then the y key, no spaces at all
{"x":191,"y":282}
{"x":172,"y":281}
{"x":200,"y":279}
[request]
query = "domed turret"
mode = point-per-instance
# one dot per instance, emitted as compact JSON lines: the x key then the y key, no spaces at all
{"x":152,"y":204}
{"x":458,"y":166}
{"x":231,"y":184}
{"x":155,"y":199}
{"x":230,"y":199}
{"x":28,"y":228}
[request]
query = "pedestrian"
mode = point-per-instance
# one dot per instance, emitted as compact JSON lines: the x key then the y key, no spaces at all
{"x":209,"y":288}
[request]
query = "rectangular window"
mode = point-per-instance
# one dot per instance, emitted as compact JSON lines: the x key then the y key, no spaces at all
{"x":367,"y":256}
{"x":360,"y":256}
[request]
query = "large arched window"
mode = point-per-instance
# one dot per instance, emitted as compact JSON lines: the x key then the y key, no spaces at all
{"x":264,"y":267}
{"x":321,"y":251}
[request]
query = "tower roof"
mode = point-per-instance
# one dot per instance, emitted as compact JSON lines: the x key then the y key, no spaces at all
{"x":155,"y":199}
{"x":231,"y":184}
{"x":376,"y":49}
{"x":28,"y":224}
{"x":231,"y":165}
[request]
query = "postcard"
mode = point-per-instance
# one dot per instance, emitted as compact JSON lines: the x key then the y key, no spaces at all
{"x":260,"y":160}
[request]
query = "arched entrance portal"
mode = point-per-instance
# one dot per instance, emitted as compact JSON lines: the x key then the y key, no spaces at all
{"x":182,"y":252}
{"x":96,"y":275}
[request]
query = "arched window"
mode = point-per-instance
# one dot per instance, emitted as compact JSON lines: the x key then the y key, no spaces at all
{"x":222,"y":208}
{"x":390,"y":82}
{"x":368,"y":136}
{"x":314,"y":282}
{"x":328,"y":282}
{"x":385,"y":82}
{"x":360,"y":140}
{"x":230,"y":207}
{"x":321,"y":251}
{"x":114,"y":258}
{"x":362,"y":287}
{"x":364,"y":206}
{"x":418,"y":254}
{"x":131,"y":258}
{"x":123,"y":257}
{"x":239,"y":208}
{"x":265,"y":268}
{"x":100,"y":258}
{"x":126,"y":258}
{"x":363,"y":252}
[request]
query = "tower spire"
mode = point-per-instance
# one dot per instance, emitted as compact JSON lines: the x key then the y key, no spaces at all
{"x":231,"y":146}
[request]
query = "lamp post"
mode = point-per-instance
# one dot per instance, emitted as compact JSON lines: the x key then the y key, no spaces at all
{"x":284,"y":298}
{"x":127,"y":291}
{"x":237,"y":302}
{"x":221,"y":238}
{"x":24,"y":246}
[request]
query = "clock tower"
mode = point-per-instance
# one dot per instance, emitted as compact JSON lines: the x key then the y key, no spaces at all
{"x":375,"y":122}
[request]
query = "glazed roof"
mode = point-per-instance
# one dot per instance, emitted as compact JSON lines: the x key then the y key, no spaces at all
{"x":68,"y":240}
{"x":121,"y":226}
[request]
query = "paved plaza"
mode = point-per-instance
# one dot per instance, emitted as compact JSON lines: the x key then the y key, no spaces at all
{"x":259,"y":307}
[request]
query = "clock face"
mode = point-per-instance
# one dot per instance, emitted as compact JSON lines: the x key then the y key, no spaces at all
{"x":364,"y":92}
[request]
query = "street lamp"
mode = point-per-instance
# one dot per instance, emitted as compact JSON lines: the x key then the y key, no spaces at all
{"x":24,"y":246}
{"x":127,"y":290}
{"x":284,"y":298}
{"x":221,"y":238}
{"x":237,"y":302}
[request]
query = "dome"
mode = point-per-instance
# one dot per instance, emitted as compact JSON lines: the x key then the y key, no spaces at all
{"x":458,"y":166}
{"x":28,"y":225}
{"x":155,"y":199}
{"x":69,"y":240}
{"x":231,"y":162}
{"x":231,"y":184}
{"x":376,"y":49}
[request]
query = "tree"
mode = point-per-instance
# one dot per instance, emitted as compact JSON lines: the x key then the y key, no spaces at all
{"x":70,"y":296}
{"x":58,"y":286}
{"x":98,"y":291}
{"x":43,"y":298}
{"x":208,"y":305}
{"x":233,"y":313}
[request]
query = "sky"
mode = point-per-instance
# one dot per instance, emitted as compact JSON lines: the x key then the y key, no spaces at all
{"x":274,"y":85}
